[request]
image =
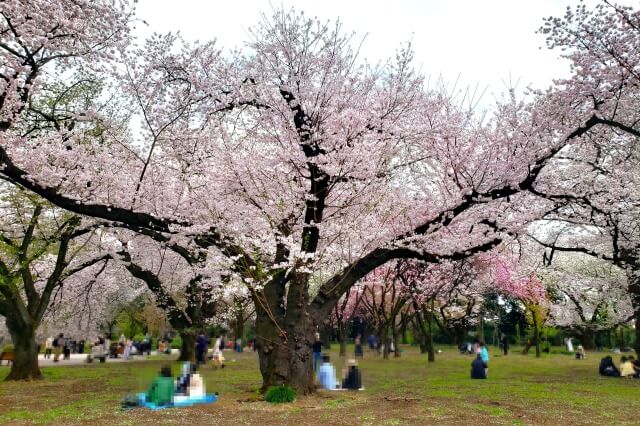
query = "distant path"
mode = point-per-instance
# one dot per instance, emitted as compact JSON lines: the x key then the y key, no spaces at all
{"x":80,"y":359}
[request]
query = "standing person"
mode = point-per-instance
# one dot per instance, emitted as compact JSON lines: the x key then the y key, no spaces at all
{"x":128,"y":344}
{"x":371,"y":341}
{"x":317,"y":349}
{"x":218,"y":358}
{"x":201,"y":349}
{"x":48,"y":347}
{"x":106,"y":347}
{"x":358,"y":347}
{"x":505,"y":344}
{"x":67,"y":349}
{"x":57,"y":347}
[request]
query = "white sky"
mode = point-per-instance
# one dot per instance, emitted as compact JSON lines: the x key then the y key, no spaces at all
{"x":483,"y":42}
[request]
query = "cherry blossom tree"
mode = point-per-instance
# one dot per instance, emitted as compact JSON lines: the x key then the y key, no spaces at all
{"x":589,"y":296}
{"x":517,"y":277}
{"x":41,"y":249}
{"x":598,"y":196}
{"x":276,"y":163}
{"x":347,"y":308}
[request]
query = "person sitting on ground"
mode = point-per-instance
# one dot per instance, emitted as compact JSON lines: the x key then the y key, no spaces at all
{"x":580,"y":354}
{"x":478,"y":368}
{"x":161,"y":390}
{"x":182,"y":382}
{"x":353,"y":378}
{"x":327,"y":374}
{"x":196,"y":384}
{"x":484,"y":355}
{"x":627,"y":368}
{"x":607,"y":368}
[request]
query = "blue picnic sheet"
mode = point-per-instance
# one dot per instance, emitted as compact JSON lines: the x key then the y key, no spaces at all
{"x":178,"y":401}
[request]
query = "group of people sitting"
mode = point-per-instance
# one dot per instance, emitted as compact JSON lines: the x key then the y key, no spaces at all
{"x":352,"y":378}
{"x":629,"y":367}
{"x":165,"y":391}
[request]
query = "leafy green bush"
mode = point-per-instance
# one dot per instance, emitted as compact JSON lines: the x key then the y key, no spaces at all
{"x":7,"y":348}
{"x":280,"y":394}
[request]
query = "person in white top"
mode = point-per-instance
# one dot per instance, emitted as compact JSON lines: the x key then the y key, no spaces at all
{"x":218,"y":358}
{"x":48,"y":347}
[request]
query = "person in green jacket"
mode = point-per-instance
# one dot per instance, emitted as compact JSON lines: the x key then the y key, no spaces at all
{"x":161,"y":390}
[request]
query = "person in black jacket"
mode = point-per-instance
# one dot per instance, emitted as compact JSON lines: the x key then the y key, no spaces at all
{"x":505,"y":344}
{"x":607,"y":368}
{"x":353,"y":378}
{"x":478,"y":368}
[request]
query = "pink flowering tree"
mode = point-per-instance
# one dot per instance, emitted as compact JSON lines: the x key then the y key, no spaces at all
{"x":277,"y":163}
{"x":348,"y":307}
{"x":513,"y":277}
{"x":598,"y":198}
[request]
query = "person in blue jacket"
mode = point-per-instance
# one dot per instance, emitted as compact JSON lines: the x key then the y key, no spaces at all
{"x":478,"y":370}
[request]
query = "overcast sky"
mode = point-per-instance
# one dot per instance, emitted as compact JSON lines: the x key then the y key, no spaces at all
{"x":485,"y":42}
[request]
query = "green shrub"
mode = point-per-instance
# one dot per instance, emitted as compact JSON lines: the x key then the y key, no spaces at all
{"x":7,"y":348}
{"x":280,"y":394}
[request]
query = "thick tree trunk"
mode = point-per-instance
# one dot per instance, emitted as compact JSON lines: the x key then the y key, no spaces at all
{"x":286,"y":356}
{"x":188,"y":349}
{"x":25,"y":364}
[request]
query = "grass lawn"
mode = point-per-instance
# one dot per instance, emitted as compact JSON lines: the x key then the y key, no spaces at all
{"x":555,"y":389}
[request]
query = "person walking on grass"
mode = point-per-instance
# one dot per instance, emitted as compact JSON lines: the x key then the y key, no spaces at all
{"x":358,"y":347}
{"x":58,"y":343}
{"x":48,"y":347}
{"x":505,"y":344}
{"x":218,"y":358}
{"x":201,"y":349}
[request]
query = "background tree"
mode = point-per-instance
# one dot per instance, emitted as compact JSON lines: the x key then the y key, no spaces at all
{"x":41,"y":248}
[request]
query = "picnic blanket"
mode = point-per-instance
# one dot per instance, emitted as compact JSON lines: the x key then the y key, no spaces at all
{"x":178,"y":401}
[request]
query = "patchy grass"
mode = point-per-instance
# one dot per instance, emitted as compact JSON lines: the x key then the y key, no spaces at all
{"x":521,"y":390}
